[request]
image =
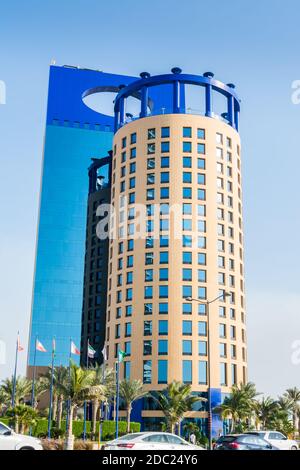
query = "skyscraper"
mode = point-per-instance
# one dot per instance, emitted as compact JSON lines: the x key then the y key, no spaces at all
{"x":176,"y":260}
{"x":74,"y":134}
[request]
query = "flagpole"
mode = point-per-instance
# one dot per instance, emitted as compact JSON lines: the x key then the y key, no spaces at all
{"x":84,"y":405}
{"x":33,"y":375}
{"x":15,"y":375}
{"x":51,"y":391}
{"x":102,"y":403}
{"x":117,"y":396}
{"x":68,"y":401}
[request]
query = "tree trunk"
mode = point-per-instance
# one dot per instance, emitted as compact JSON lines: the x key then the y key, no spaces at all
{"x":17,"y":425}
{"x":59,"y":411}
{"x":70,"y":420}
{"x":129,"y":408}
{"x":54,"y":407}
{"x":94,"y":417}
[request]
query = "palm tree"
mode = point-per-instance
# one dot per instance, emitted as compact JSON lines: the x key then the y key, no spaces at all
{"x":265,"y":411}
{"x":130,"y":391}
{"x":60,"y":381}
{"x":40,"y":387}
{"x":174,"y":401}
{"x":3,"y":401}
{"x":76,"y":390}
{"x":22,"y":391}
{"x":239,"y":405}
{"x":191,"y":428}
{"x":293,"y":394}
{"x":103,"y":384}
{"x":23,"y":416}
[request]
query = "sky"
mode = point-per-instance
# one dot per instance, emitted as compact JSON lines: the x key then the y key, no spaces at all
{"x":252,"y":44}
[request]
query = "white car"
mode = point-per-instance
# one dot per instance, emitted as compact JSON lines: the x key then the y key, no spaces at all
{"x":9,"y":440}
{"x":277,"y":439}
{"x":150,"y":441}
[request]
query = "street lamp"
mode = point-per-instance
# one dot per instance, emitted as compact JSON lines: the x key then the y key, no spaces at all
{"x":207,"y":303}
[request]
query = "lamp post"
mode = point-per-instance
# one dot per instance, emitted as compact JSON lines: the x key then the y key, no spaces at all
{"x":209,"y":413}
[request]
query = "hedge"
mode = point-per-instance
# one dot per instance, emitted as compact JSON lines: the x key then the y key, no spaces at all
{"x":108,"y":428}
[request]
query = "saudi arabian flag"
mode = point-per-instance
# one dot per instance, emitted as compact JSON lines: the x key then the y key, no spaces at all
{"x":121,"y":356}
{"x":91,"y":352}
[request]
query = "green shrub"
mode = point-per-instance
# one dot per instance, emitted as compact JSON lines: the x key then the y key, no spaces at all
{"x":108,"y":429}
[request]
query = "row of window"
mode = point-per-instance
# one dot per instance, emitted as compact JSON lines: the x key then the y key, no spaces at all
{"x":187,"y":372}
{"x":186,"y":348}
{"x":225,"y":330}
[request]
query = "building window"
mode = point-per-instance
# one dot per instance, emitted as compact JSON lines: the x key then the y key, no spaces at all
{"x":187,"y":162}
{"x":187,"y":132}
{"x":147,"y":372}
{"x":186,"y":177}
{"x":151,"y":134}
{"x":128,"y":310}
{"x":187,"y":327}
{"x":187,"y":257}
{"x":150,"y":178}
{"x":162,"y":347}
{"x":127,"y":329}
{"x":163,"y":308}
{"x":165,"y":147}
{"x":222,"y":349}
{"x":187,"y":308}
{"x":187,"y":372}
{"x":127,"y":370}
{"x":165,"y":132}
{"x":147,"y":348}
{"x":164,"y":193}
{"x":163,"y":327}
{"x":187,"y":208}
{"x":201,"y":134}
{"x":223,"y":373}
{"x":133,"y":138}
{"x":127,"y":348}
{"x":187,"y":347}
{"x":148,"y":292}
{"x":162,"y":371}
{"x":202,"y":328}
{"x":187,"y":274}
{"x":202,"y":348}
{"x":201,"y":163}
{"x":164,"y":177}
{"x":148,"y":308}
{"x":186,"y":291}
{"x":187,"y":193}
{"x":123,"y":142}
{"x":163,"y":274}
{"x":150,"y":148}
{"x":133,"y":152}
{"x":150,"y":163}
{"x":148,"y":328}
{"x":222,"y":330}
{"x":163,"y":292}
{"x":187,"y":147}
{"x":200,"y":148}
{"x":165,"y":162}
{"x":187,"y":224}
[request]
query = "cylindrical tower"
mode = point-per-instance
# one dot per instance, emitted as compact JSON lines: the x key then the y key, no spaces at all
{"x":177,"y":197}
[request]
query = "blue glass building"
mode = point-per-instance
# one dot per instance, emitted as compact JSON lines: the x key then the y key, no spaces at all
{"x":74,"y":134}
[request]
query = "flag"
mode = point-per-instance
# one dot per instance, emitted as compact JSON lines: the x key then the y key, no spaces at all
{"x":20,"y":348}
{"x":104,"y":353}
{"x":39,"y":346}
{"x":74,"y":349}
{"x":91,"y":351}
{"x":121,"y":356}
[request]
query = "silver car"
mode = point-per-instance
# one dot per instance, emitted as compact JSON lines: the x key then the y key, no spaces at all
{"x":150,"y":441}
{"x":9,"y":440}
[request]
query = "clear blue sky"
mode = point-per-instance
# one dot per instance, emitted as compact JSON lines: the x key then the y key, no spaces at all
{"x":253,"y":44}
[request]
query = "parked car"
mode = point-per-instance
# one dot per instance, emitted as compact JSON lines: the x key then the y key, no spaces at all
{"x":242,"y":442}
{"x":277,"y":439}
{"x":150,"y":441}
{"x":9,"y":440}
